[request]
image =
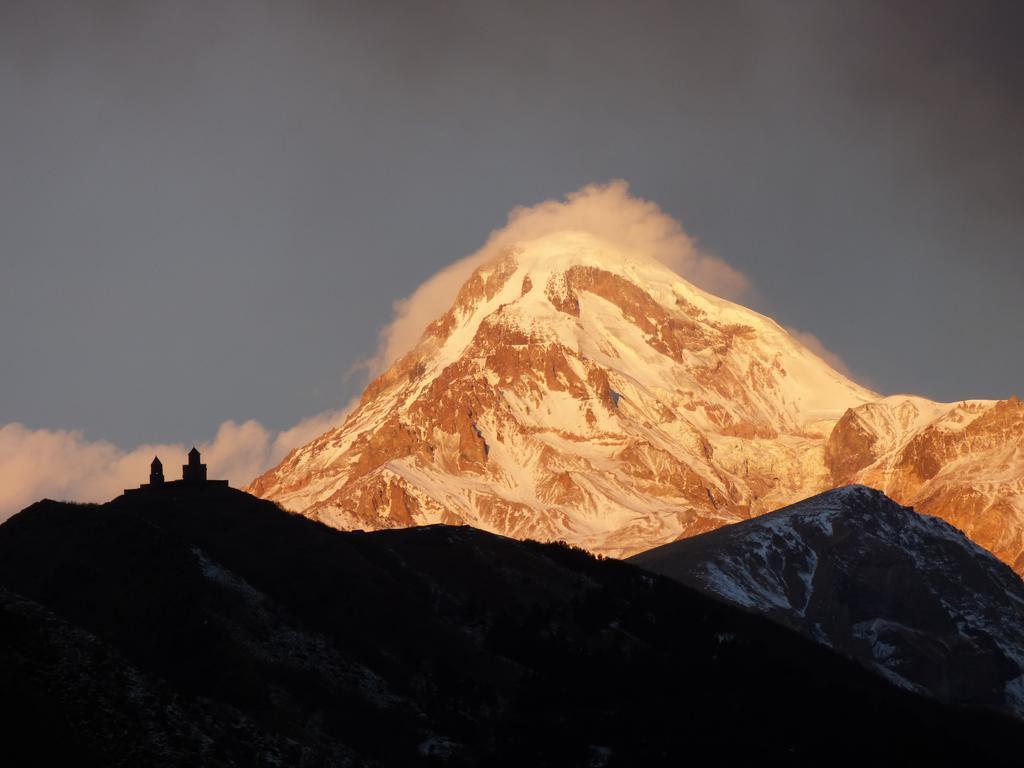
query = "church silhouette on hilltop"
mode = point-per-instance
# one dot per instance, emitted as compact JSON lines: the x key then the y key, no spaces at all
{"x":192,"y":474}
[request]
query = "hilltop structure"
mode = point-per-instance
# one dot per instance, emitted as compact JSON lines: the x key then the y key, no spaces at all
{"x":192,"y":474}
{"x":194,"y":471}
{"x":156,"y":472}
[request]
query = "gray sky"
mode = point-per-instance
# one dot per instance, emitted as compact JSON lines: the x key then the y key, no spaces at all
{"x":207,"y":208}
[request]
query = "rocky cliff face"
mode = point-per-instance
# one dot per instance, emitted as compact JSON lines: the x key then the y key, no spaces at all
{"x":576,"y":392}
{"x":963,"y":462}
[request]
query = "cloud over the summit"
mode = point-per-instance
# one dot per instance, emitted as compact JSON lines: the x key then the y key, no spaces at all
{"x":608,"y":211}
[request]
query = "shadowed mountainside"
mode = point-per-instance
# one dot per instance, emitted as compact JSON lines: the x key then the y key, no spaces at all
{"x":907,"y":594}
{"x":201,"y":625}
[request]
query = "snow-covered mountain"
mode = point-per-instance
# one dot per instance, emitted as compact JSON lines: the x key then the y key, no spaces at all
{"x":577,"y":392}
{"x":905,"y":593}
{"x":582,"y":392}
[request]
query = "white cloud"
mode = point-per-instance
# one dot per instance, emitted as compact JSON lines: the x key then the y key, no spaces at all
{"x":306,"y":430}
{"x":63,"y":464}
{"x":607,"y":211}
{"x":816,"y":346}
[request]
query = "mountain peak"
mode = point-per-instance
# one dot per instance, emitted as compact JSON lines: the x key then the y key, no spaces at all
{"x":577,"y":390}
{"x":580,"y":390}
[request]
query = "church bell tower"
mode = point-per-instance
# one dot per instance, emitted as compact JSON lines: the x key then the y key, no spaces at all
{"x":156,"y":472}
{"x":194,"y":471}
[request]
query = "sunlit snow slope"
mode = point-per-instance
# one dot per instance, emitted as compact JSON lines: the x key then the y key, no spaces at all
{"x":577,"y":391}
{"x":963,"y":462}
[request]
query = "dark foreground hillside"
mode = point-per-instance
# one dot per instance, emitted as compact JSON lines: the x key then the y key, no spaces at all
{"x":203,"y":626}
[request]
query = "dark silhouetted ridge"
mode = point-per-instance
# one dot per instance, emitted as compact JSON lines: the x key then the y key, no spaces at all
{"x":204,"y":626}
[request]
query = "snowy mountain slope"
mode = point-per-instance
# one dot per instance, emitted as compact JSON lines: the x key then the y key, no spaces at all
{"x":902,"y":592}
{"x":578,"y":391}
